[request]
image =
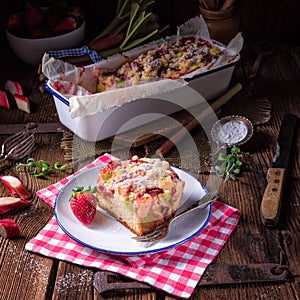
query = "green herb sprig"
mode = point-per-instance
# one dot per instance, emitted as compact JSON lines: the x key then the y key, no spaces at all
{"x":40,"y":168}
{"x":229,"y":166}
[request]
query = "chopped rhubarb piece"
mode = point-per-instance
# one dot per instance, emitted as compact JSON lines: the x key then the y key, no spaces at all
{"x":22,"y":103}
{"x":13,"y":87}
{"x":4,"y":100}
{"x":11,"y":203}
{"x":9,"y":228}
{"x":15,"y":186}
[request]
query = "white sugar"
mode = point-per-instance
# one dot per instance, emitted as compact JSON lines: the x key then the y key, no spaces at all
{"x":232,"y":132}
{"x":71,"y":282}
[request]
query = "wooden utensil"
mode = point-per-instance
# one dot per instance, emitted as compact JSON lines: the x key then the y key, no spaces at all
{"x":272,"y":198}
{"x":262,"y":49}
{"x":179,"y":135}
{"x":208,"y":4}
{"x":227,"y":4}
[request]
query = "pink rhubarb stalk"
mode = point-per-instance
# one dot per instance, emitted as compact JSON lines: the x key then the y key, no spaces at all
{"x":9,"y":228}
{"x":15,"y":186}
{"x":11,"y":203}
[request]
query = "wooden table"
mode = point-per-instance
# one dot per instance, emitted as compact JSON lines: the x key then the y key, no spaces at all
{"x":25,"y":275}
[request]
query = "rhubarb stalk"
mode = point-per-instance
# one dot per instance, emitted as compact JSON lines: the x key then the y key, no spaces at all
{"x":15,"y":186}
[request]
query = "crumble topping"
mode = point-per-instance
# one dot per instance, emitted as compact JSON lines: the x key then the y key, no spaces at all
{"x":138,"y":178}
{"x":167,"y":61}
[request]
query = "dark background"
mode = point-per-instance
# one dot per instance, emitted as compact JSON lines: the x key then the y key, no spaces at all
{"x":274,"y":20}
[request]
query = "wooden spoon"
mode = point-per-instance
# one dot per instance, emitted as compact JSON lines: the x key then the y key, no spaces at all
{"x":262,"y":49}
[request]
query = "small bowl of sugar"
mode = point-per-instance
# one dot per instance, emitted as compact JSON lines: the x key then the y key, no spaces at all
{"x":232,"y":130}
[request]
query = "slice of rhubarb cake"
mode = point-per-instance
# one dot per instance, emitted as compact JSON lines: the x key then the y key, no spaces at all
{"x":141,"y":193}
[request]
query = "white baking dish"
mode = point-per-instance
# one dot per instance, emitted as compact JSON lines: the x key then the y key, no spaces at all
{"x":110,"y":122}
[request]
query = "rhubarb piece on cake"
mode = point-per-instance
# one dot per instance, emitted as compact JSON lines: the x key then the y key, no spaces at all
{"x":9,"y":228}
{"x":141,"y":193}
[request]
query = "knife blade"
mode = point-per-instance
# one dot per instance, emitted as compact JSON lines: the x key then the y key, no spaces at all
{"x":276,"y":175}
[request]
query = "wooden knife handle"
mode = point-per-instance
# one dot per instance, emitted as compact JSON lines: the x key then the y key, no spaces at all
{"x":272,"y":198}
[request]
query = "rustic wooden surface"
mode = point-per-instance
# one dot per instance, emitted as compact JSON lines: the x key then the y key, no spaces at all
{"x":25,"y":275}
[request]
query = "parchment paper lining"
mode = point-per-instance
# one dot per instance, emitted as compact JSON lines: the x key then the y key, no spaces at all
{"x":79,"y":83}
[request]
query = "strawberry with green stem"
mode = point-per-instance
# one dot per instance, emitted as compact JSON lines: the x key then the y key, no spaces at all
{"x":83,"y":204}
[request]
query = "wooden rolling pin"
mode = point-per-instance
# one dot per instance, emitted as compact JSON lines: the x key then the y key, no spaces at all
{"x":179,"y":135}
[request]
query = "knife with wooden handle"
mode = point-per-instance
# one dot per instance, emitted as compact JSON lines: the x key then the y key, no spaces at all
{"x":272,"y":198}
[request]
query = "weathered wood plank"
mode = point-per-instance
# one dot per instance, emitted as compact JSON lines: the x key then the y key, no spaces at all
{"x":73,"y":282}
{"x":25,"y":275}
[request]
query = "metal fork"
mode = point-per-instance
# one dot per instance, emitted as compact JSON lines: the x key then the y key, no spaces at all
{"x":17,"y":145}
{"x":161,"y":231}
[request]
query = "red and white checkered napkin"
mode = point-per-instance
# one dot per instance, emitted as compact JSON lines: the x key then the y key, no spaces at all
{"x":175,"y":271}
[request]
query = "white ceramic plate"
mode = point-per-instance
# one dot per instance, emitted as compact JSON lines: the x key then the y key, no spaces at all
{"x":108,"y":235}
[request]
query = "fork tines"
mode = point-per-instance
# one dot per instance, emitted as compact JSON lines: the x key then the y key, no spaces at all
{"x":23,"y":148}
{"x":13,"y":141}
{"x":155,"y":235}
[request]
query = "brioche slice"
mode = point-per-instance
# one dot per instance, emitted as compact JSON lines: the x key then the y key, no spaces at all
{"x":141,"y":193}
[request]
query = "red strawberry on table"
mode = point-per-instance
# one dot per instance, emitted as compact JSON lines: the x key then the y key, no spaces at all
{"x":83,"y":205}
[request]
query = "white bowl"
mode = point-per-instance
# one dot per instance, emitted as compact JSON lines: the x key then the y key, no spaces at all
{"x":31,"y":51}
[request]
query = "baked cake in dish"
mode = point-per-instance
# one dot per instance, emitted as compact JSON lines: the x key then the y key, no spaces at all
{"x":141,"y":193}
{"x":168,"y":60}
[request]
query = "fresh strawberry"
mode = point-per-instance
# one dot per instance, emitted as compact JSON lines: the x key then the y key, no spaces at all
{"x":75,"y":12}
{"x":13,"y":87}
{"x":52,"y":17}
{"x":15,"y":24}
{"x":40,"y":32}
{"x":9,"y":228}
{"x":15,"y":186}
{"x":65,"y":24}
{"x":33,"y":17}
{"x":11,"y":203}
{"x":83,"y":205}
{"x":60,"y":5}
{"x":22,"y":102}
{"x":4,"y":100}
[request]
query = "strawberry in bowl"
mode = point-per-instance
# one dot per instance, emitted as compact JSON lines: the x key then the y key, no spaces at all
{"x":39,"y":29}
